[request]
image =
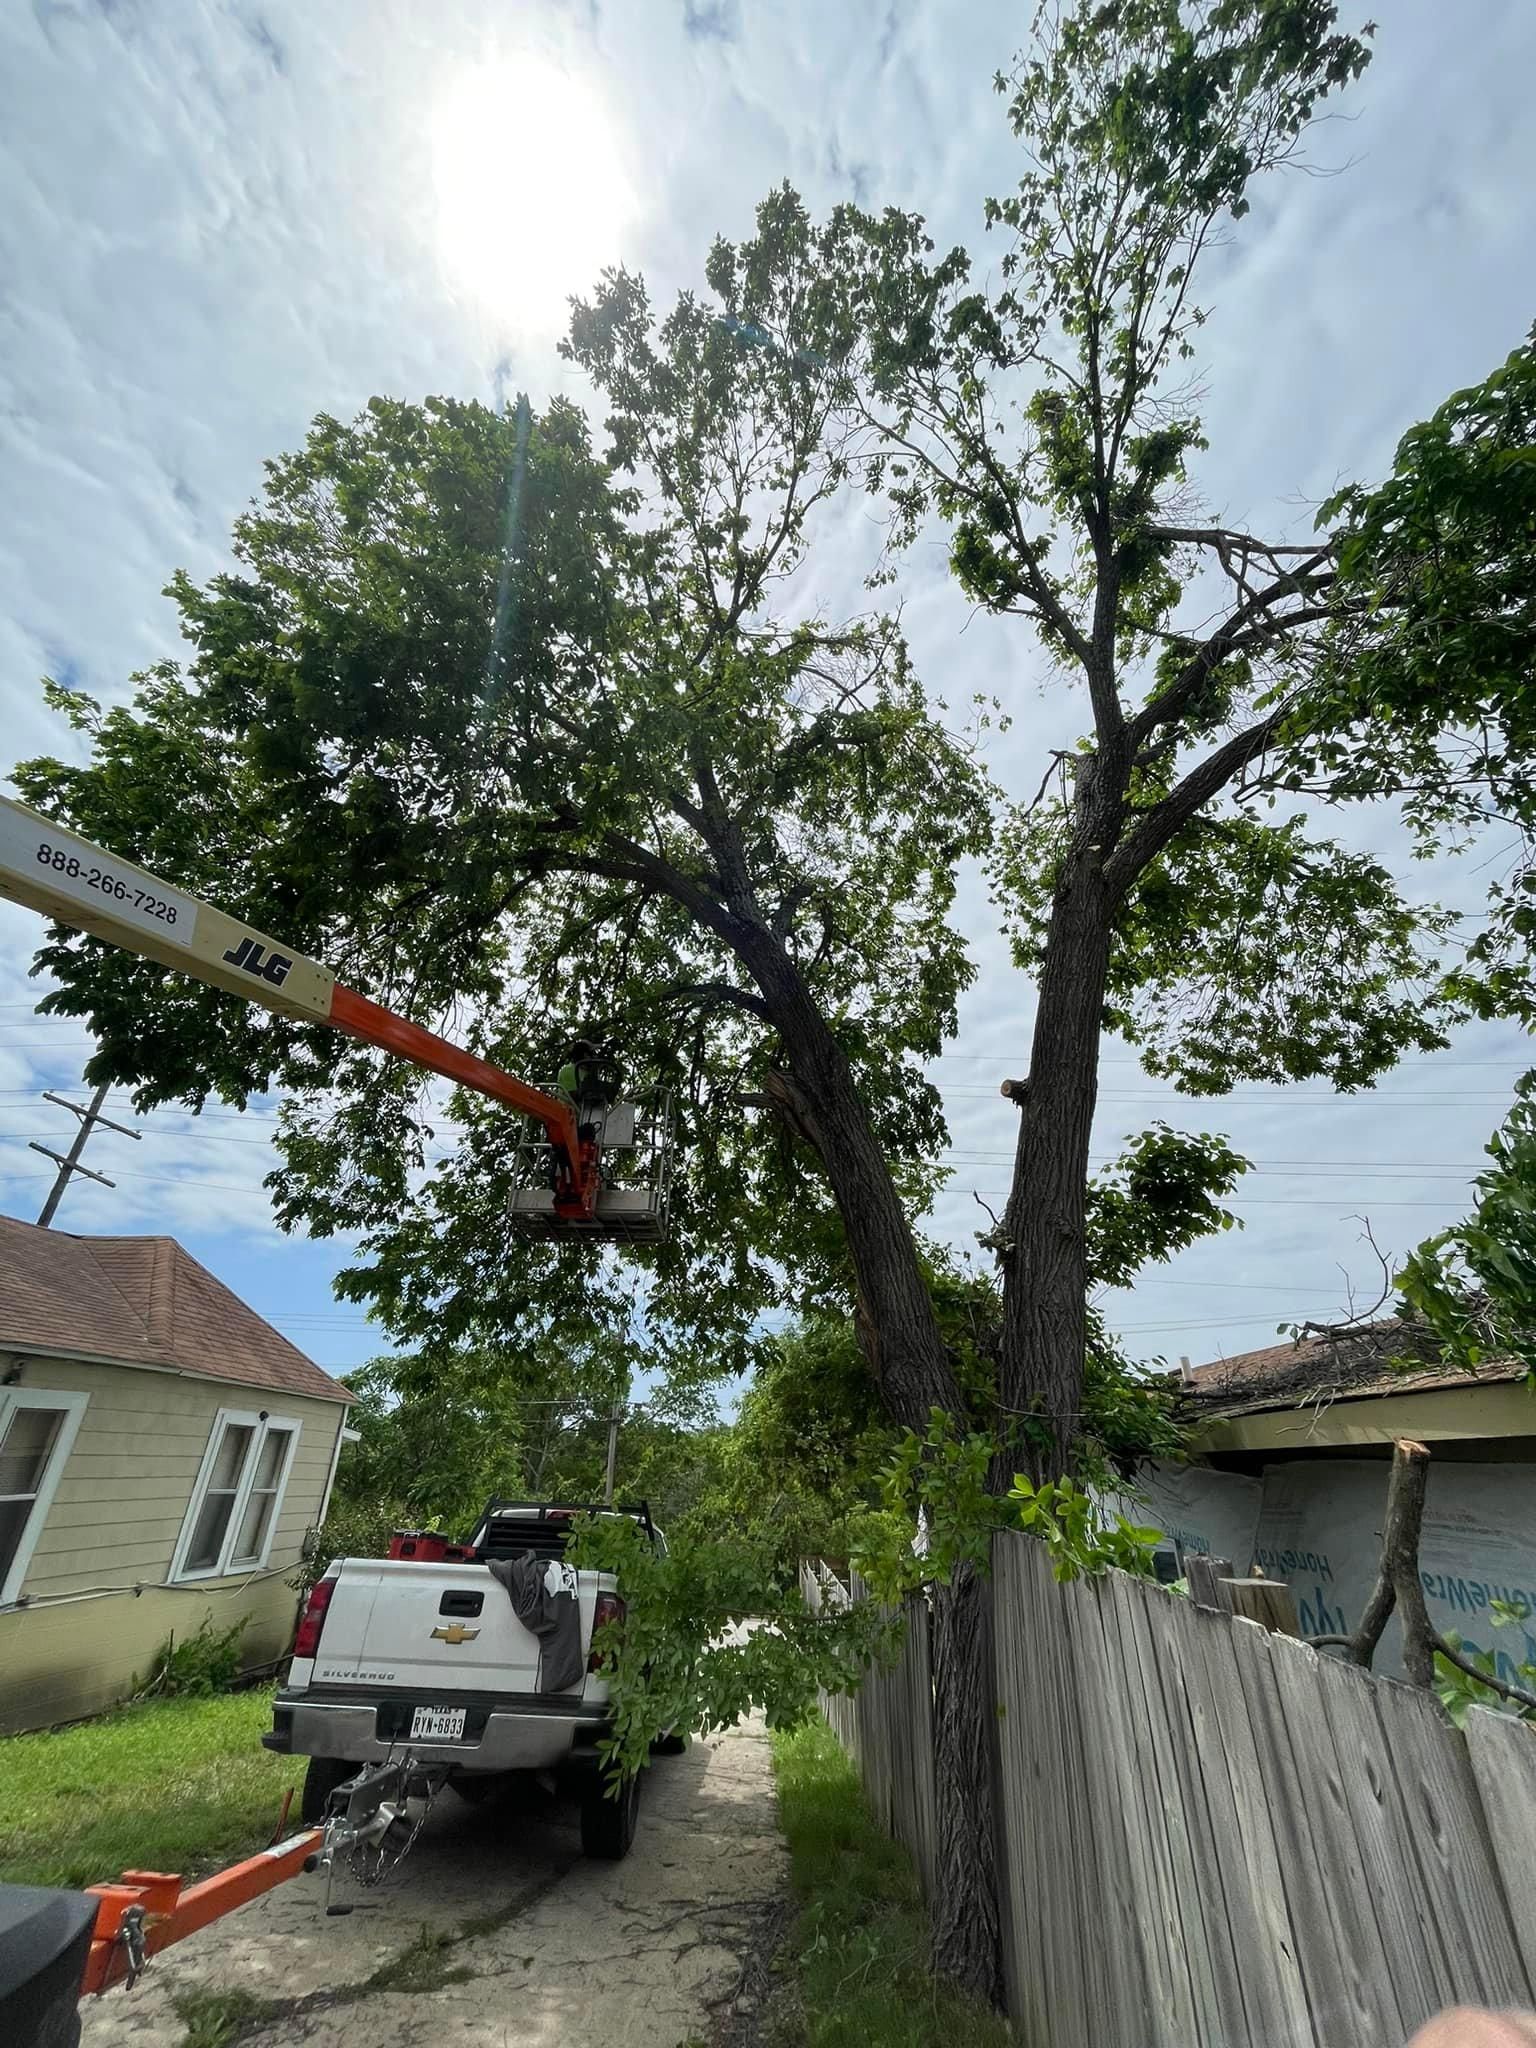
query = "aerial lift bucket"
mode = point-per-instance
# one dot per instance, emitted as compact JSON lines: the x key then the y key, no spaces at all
{"x":634,"y":1190}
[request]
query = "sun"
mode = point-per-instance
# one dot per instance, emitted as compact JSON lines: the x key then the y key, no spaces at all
{"x":532,"y":197}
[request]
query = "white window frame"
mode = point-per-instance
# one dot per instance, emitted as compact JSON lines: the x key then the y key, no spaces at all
{"x":260,"y":1425}
{"x":73,"y":1405}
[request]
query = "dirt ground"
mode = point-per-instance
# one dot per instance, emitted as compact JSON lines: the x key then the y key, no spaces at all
{"x":497,"y":1933}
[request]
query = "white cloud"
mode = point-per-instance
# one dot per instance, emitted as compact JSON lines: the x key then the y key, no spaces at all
{"x":217,"y":218}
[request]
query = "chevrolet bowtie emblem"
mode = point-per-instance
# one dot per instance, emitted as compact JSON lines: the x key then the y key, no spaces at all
{"x":455,"y":1632}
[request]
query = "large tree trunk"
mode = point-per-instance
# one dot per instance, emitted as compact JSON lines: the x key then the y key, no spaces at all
{"x":967,"y":1945}
{"x":900,"y":1334}
{"x":819,"y":1097}
{"x":1045,"y":1269}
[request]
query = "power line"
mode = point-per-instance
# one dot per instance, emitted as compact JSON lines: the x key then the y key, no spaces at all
{"x":1281,"y":1099}
{"x":1385,"y":1169}
{"x":1238,"y":1200}
{"x":1121,"y":1060}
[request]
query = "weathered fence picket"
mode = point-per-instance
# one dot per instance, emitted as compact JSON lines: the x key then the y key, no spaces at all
{"x":1212,"y":1836}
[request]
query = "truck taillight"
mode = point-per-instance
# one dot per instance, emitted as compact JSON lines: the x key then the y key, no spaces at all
{"x":307,"y":1641}
{"x":609,"y":1608}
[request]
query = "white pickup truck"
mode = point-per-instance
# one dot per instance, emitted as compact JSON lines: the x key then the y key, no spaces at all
{"x":395,"y":1654}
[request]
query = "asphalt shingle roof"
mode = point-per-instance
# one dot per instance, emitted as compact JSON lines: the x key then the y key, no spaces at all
{"x":1349,"y":1366}
{"x":141,"y":1301}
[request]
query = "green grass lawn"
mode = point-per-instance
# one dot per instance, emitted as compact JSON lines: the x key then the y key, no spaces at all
{"x":860,"y":1941}
{"x":178,"y":1785}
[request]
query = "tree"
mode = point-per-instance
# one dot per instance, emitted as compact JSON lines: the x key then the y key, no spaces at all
{"x":1426,"y":692}
{"x":436,"y":1449}
{"x":1473,"y":1287}
{"x":1046,"y":421}
{"x":652,"y":809}
{"x":670,"y":800}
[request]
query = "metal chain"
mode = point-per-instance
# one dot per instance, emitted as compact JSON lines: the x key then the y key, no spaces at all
{"x":371,"y":1862}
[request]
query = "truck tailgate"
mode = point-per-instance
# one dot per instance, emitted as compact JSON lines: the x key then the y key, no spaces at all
{"x":432,"y":1628}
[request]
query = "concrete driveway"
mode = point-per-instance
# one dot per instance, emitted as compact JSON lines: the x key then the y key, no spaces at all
{"x":497,"y":1933}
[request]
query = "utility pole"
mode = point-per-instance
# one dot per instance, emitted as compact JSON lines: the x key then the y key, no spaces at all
{"x":615,"y":1417}
{"x":69,"y":1162}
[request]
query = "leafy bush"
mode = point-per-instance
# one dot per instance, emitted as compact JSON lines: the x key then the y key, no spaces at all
{"x":205,"y":1662}
{"x":681,"y":1659}
{"x":1458,"y":1690}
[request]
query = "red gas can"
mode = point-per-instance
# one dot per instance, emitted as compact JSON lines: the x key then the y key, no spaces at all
{"x":428,"y":1546}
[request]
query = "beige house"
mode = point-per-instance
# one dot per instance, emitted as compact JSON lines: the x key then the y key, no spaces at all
{"x":163,"y":1452}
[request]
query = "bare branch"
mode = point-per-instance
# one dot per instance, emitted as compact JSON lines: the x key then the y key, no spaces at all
{"x":1228,"y":538}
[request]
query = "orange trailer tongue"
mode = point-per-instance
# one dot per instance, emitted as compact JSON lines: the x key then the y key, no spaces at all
{"x":147,"y":1910}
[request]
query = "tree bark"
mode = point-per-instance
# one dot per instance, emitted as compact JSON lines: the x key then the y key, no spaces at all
{"x":967,"y":1947}
{"x":820,"y":1099}
{"x":1045,"y":1267}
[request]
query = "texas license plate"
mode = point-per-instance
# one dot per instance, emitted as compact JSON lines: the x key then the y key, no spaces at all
{"x":438,"y":1724}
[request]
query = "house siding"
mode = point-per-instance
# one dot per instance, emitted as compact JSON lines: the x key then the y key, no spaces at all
{"x":98,"y":1571}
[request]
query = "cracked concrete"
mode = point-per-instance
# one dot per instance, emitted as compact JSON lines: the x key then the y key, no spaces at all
{"x":550,"y":1948}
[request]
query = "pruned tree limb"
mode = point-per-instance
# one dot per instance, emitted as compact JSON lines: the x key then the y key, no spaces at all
{"x":1399,"y":1588}
{"x":1399,"y":1563}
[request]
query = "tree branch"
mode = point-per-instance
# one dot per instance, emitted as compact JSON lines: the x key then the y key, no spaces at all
{"x":1220,"y":537}
{"x":1154,"y":828}
{"x":1506,"y":1686}
{"x":707,"y":992}
{"x":1247,"y":628}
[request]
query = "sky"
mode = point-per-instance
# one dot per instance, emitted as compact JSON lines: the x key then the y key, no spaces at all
{"x":219,"y":218}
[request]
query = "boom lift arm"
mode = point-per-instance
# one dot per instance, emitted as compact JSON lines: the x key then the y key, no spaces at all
{"x":69,"y":879}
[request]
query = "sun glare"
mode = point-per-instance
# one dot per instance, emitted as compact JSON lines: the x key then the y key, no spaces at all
{"x":532,"y":198}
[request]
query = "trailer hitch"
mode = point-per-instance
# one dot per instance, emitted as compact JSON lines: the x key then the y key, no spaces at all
{"x":372,"y":1821}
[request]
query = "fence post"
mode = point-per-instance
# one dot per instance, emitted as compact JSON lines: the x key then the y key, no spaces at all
{"x":1269,"y":1601}
{"x":1201,"y":1574}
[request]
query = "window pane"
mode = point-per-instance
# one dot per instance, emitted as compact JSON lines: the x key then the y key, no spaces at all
{"x":13,"y":1519}
{"x":208,"y":1533}
{"x":253,"y":1527}
{"x":230,"y":1462}
{"x":24,"y":1451}
{"x":273,"y":1452}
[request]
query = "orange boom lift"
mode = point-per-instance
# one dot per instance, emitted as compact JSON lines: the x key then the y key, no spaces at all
{"x":68,"y":878}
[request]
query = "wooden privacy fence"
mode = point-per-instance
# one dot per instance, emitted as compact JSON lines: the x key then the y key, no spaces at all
{"x":1214,"y":1837}
{"x":887,"y":1726}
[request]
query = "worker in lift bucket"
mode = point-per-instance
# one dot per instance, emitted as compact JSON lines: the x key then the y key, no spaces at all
{"x":590,"y":1082}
